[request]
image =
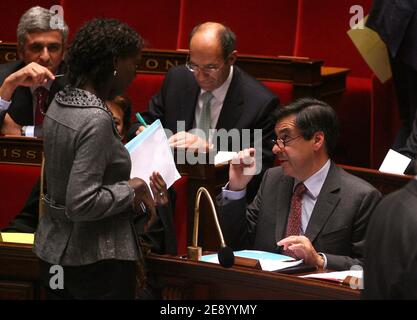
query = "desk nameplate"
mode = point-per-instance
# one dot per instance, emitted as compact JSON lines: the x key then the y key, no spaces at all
{"x":21,"y":150}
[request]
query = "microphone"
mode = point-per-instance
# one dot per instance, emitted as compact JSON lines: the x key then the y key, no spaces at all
{"x":225,"y":254}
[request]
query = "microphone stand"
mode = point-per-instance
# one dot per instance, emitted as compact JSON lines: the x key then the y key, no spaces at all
{"x":226,"y":257}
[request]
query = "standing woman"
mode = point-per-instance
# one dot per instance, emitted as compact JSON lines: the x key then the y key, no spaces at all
{"x":90,"y":203}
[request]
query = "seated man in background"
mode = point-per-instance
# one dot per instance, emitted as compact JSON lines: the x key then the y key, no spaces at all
{"x":390,"y":249}
{"x":28,"y":85}
{"x":308,"y":207}
{"x":211,"y":92}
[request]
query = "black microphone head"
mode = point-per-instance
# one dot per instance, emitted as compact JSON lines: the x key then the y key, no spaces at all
{"x":226,"y":257}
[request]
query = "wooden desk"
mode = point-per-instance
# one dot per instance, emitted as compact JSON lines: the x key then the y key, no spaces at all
{"x":178,"y":278}
{"x":184,"y":279}
{"x":384,"y":182}
{"x":19,"y":272}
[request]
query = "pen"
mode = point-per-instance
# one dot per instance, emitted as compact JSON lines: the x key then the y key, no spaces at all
{"x":142,"y":205}
{"x":59,"y":75}
{"x":140,"y":119}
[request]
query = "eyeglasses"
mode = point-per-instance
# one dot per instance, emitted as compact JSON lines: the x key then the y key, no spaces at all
{"x":281,"y":143}
{"x":209,"y":69}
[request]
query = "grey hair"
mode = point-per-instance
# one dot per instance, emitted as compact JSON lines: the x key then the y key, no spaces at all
{"x":38,"y":19}
{"x":226,"y":36}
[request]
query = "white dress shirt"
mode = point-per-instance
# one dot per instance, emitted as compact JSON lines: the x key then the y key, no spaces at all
{"x":216,"y":104}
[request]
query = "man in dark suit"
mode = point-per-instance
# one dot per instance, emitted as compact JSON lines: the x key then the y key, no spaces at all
{"x":390,"y":250}
{"x":396,"y":24}
{"x":238,"y":101}
{"x":308,"y":206}
{"x":28,"y":86}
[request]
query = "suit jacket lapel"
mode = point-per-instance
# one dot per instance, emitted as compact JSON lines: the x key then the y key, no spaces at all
{"x":283,"y":205}
{"x":326,"y":203}
{"x":188,"y":104}
{"x":233,"y":103}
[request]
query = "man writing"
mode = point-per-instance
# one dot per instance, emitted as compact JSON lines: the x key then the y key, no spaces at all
{"x":28,"y":85}
{"x":308,"y":207}
{"x":211,"y":92}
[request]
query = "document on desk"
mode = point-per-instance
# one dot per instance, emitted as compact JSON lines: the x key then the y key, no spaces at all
{"x":149,"y":152}
{"x":269,"y":261}
{"x":337,"y":276}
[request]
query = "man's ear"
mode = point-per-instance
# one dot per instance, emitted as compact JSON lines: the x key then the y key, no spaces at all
{"x":20,"y":52}
{"x":233,"y":57}
{"x":318,"y":140}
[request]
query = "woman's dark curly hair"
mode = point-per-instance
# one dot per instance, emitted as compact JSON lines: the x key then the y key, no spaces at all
{"x":94,"y":48}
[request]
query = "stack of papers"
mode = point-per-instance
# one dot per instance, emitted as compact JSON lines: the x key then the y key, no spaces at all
{"x":149,"y":152}
{"x":17,"y":237}
{"x":269,"y":261}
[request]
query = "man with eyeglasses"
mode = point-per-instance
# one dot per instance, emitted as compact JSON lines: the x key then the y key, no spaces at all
{"x":308,"y":207}
{"x":28,"y":85}
{"x":210,"y":77}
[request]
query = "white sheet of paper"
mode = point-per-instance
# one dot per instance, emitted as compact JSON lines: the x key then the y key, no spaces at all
{"x":149,"y":152}
{"x":394,"y":162}
{"x":372,"y":49}
{"x":337,"y":276}
{"x":223,"y":157}
{"x":269,"y":261}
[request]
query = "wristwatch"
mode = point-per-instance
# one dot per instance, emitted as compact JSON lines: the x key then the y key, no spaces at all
{"x":23,"y":131}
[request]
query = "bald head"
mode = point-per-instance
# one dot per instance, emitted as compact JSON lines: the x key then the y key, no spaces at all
{"x":212,"y":34}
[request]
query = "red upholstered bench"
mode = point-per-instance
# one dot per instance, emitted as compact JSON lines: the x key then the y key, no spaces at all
{"x":16,"y":182}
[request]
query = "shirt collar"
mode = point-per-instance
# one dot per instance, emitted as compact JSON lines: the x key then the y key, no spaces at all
{"x":220,"y":92}
{"x":315,"y":182}
{"x":46,"y":85}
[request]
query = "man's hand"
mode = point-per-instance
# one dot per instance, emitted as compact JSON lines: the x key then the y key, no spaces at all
{"x":302,"y":248}
{"x":30,"y":75}
{"x":241,"y":169}
{"x":10,"y":128}
{"x":188,"y":141}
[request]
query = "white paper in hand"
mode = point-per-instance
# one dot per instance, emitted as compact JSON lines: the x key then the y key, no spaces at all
{"x":394,"y":162}
{"x":149,"y":152}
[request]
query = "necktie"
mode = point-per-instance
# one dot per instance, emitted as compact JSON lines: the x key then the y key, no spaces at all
{"x":41,"y":95}
{"x":205,"y":118}
{"x":294,"y":218}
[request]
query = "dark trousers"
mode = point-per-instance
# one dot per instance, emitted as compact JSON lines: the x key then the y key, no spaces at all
{"x":106,"y":279}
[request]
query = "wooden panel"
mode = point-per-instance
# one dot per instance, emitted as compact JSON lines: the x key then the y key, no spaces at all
{"x":12,"y":290}
{"x":306,"y":75}
{"x":22,"y":150}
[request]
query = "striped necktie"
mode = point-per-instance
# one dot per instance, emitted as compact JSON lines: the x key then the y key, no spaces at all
{"x":205,"y":117}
